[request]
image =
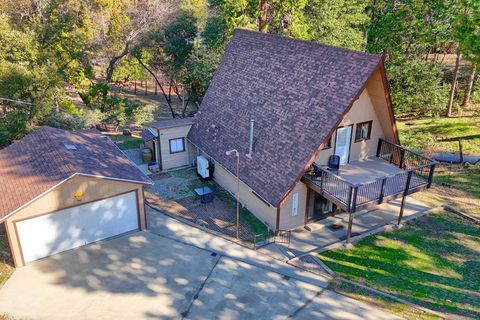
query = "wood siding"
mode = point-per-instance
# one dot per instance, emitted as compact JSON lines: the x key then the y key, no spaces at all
{"x":287,"y":221}
{"x":174,"y":160}
{"x":264,"y":212}
{"x":361,"y":111}
{"x":63,"y":197}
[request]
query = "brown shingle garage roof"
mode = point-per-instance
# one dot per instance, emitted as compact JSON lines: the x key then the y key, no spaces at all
{"x":48,"y":156}
{"x":297,"y":91}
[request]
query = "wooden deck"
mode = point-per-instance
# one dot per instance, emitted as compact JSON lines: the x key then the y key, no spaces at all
{"x":394,"y":172}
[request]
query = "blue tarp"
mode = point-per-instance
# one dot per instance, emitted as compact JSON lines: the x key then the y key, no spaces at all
{"x":455,"y":158}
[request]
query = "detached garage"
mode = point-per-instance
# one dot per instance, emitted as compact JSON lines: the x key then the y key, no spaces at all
{"x":60,"y":190}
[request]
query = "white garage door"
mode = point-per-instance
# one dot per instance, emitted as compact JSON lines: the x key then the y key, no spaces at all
{"x":70,"y":228}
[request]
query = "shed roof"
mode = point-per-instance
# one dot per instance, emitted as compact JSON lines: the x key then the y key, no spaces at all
{"x":296,"y":91}
{"x":170,"y":123}
{"x":48,"y":156}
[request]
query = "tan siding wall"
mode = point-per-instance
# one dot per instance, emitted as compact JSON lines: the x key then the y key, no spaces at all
{"x":62,"y":197}
{"x":376,"y":91}
{"x":262,"y":211}
{"x":361,"y":111}
{"x":174,"y":160}
{"x":287,"y":221}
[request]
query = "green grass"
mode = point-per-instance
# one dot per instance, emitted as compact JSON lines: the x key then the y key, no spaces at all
{"x":433,"y":262}
{"x":403,"y":310}
{"x":441,"y":134}
{"x":126,"y":142}
{"x":432,"y":135}
{"x":6,"y":264}
{"x":463,"y":178}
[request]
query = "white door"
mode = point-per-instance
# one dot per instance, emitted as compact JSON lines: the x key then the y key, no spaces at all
{"x":71,"y":228}
{"x":342,"y":143}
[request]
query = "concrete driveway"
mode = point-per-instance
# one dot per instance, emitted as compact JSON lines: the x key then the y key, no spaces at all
{"x":151,"y":276}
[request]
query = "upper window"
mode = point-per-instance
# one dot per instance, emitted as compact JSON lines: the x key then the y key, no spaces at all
{"x":363,"y":131}
{"x":328,"y":143}
{"x":177,"y":145}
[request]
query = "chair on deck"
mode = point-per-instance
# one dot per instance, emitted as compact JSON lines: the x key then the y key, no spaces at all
{"x":334,"y":163}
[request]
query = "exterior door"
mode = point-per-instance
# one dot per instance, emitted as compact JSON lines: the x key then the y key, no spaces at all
{"x":342,"y":143}
{"x":70,"y":228}
{"x":322,"y":208}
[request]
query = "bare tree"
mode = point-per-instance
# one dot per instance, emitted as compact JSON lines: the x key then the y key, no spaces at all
{"x":468,"y":90}
{"x":454,"y":85}
{"x":144,"y":16}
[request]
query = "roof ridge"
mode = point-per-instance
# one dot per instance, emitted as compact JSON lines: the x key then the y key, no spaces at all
{"x":312,"y":42}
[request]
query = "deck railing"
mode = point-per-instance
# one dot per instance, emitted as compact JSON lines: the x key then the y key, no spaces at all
{"x":417,"y":174}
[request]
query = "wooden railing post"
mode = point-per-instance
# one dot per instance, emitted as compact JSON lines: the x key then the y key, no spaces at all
{"x":322,"y":176}
{"x":405,"y":193}
{"x":430,"y":175}
{"x":402,"y":158}
{"x":379,"y":147}
{"x":349,"y":230}
{"x":349,"y":200}
{"x":354,"y":199}
{"x":382,"y":191}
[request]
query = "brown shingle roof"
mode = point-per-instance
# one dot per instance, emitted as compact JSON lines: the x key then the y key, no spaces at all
{"x":296,"y":91}
{"x":41,"y":160}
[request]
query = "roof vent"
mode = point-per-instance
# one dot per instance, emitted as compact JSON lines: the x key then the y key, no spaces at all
{"x":70,"y":146}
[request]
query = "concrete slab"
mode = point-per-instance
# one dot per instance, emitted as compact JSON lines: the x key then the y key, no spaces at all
{"x":139,"y":276}
{"x":163,"y":225}
{"x":149,"y":276}
{"x":250,"y":293}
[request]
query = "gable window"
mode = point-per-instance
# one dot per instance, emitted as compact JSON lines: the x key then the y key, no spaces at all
{"x":363,"y":131}
{"x":328,"y":143}
{"x":177,"y":145}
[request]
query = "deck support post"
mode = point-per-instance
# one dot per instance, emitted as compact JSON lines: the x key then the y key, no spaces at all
{"x":430,"y":176}
{"x":349,"y":230}
{"x":405,"y":193}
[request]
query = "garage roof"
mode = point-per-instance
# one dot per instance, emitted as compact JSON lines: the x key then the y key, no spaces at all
{"x":48,"y":156}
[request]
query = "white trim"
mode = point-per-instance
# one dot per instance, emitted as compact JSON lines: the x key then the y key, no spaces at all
{"x":65,"y":180}
{"x":256,"y":193}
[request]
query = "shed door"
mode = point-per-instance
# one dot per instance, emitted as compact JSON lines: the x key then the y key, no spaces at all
{"x":74,"y":227}
{"x":342,"y":143}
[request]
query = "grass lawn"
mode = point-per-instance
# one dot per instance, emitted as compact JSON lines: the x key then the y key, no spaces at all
{"x":441,"y":134}
{"x":456,"y":186}
{"x":6,"y":264}
{"x":125,"y":142}
{"x":433,"y":261}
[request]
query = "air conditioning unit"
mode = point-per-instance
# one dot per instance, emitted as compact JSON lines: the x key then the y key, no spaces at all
{"x":203,"y":167}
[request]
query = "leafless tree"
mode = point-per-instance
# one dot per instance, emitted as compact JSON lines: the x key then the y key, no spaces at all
{"x":144,"y":15}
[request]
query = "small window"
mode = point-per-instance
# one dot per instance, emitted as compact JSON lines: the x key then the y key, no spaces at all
{"x":295,"y":204}
{"x":328,"y":143}
{"x":177,"y":145}
{"x":363,"y":131}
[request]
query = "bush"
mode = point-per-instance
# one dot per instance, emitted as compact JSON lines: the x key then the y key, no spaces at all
{"x":417,"y":86}
{"x":144,"y":114}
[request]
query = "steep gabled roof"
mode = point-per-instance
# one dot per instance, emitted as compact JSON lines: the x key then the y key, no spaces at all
{"x":296,"y":91}
{"x":48,"y":156}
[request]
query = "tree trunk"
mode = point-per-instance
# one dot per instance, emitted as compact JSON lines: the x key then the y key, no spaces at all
{"x":454,"y":85}
{"x":262,"y":19}
{"x":468,"y":90}
{"x":113,"y":61}
{"x":159,"y":84}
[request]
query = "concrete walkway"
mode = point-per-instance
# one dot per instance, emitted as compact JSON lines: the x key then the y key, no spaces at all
{"x":321,"y":236}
